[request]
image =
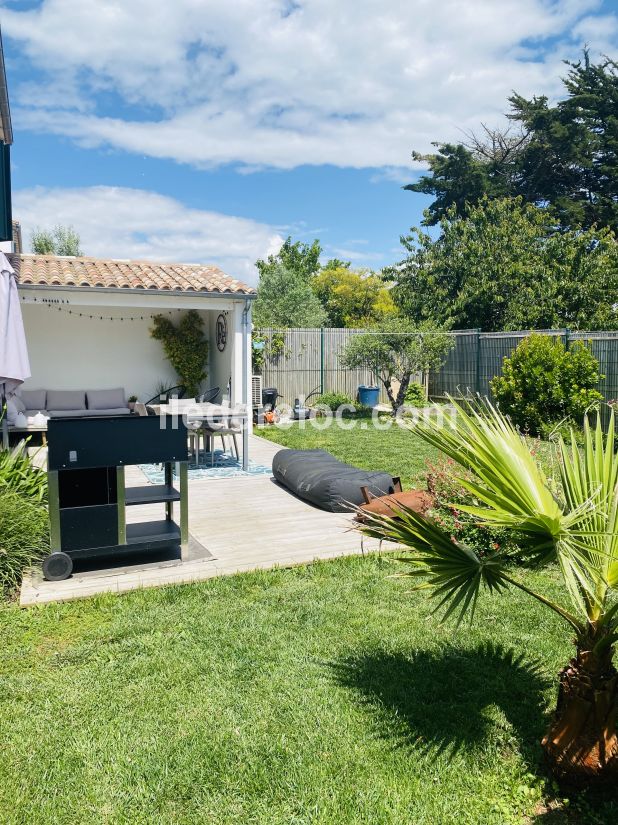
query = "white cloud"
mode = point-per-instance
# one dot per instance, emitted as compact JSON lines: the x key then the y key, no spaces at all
{"x":395,"y":174}
{"x":115,"y":222}
{"x":357,"y":257}
{"x":272,"y":83}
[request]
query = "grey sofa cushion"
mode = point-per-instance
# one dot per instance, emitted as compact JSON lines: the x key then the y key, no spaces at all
{"x":106,"y":399}
{"x":110,"y":411}
{"x":87,"y":413}
{"x":17,"y":403}
{"x":66,"y":400}
{"x":66,"y":413}
{"x":34,"y":399}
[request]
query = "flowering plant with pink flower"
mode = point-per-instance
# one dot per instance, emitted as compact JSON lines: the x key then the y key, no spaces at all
{"x":442,"y":481}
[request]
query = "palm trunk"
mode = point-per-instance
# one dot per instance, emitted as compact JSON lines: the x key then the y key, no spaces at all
{"x":581,"y":744}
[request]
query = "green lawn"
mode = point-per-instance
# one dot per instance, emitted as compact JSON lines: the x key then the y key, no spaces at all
{"x":324,"y":694}
{"x":396,"y":450}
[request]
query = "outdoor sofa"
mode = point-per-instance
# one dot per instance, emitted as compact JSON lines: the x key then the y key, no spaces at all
{"x":33,"y":404}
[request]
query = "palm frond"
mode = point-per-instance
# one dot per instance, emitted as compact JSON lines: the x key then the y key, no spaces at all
{"x":579,"y":532}
{"x":515,"y":492}
{"x":486,"y":443}
{"x":453,"y":571}
{"x":592,"y":475}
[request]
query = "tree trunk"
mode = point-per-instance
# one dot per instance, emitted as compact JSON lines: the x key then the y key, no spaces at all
{"x":581,"y":744}
{"x":389,"y":391}
{"x":403,"y":388}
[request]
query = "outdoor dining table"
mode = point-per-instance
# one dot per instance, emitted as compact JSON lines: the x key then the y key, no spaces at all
{"x":207,"y":412}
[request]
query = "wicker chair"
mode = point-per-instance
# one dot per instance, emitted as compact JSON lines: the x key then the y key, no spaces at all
{"x":165,"y":396}
{"x":210,"y":396}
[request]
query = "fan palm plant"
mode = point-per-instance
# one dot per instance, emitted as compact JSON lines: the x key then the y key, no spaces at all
{"x":576,"y":527}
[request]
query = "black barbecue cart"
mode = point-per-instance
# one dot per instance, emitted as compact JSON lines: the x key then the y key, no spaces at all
{"x":87,"y":494}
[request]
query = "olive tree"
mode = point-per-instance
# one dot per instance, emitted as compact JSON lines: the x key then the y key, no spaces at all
{"x":395,"y":351}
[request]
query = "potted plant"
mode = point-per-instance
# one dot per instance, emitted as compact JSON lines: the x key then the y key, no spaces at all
{"x":131,"y":402}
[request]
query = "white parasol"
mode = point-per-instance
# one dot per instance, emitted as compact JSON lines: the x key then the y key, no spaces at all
{"x":14,"y":363}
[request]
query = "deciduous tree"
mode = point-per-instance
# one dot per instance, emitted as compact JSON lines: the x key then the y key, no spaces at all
{"x":300,"y":258}
{"x":62,"y":240}
{"x":505,"y":265}
{"x":352,"y":298}
{"x":285,"y":299}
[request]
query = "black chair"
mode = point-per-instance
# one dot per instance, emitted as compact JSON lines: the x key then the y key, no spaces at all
{"x":165,"y":396}
{"x":210,"y":396}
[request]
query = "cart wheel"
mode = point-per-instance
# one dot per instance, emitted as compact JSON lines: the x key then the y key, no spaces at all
{"x":57,"y":566}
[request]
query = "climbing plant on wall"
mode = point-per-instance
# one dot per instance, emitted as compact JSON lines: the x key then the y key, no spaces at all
{"x":185,"y":347}
{"x":266,"y":347}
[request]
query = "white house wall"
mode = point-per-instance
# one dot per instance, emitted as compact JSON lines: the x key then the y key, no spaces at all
{"x":220,"y":362}
{"x":68,"y":353}
{"x":230,"y":361}
{"x":239,"y":354}
{"x":72,"y":352}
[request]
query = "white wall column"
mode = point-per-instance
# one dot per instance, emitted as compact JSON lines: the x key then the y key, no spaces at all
{"x":241,"y":362}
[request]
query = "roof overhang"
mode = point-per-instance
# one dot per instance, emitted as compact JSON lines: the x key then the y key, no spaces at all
{"x":69,"y":272}
{"x":122,"y":297}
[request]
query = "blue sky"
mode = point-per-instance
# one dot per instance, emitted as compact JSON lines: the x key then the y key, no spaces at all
{"x":206,"y":130}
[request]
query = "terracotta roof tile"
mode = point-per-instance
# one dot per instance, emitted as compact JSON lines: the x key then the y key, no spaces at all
{"x":50,"y":270}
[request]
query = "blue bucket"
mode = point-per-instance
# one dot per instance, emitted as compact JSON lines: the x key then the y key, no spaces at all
{"x":368,"y":396}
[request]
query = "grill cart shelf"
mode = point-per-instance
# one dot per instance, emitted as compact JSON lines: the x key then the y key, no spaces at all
{"x":87,"y":495}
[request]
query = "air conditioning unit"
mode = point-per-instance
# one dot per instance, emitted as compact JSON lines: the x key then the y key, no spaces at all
{"x":256,"y":391}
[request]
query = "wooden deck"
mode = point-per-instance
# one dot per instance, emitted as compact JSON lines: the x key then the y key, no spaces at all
{"x":246,"y":523}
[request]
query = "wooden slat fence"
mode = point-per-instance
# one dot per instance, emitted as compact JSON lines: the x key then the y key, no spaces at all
{"x":310,"y":362}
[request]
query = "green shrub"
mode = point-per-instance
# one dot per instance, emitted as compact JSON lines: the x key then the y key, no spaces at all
{"x":334,"y":400}
{"x":19,"y":475}
{"x":544,"y":383}
{"x":415,"y":394}
{"x":442,"y":480}
{"x":24,"y":537}
{"x":554,"y":430}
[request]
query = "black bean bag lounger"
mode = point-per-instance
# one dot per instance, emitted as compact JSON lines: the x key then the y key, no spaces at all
{"x":320,"y":478}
